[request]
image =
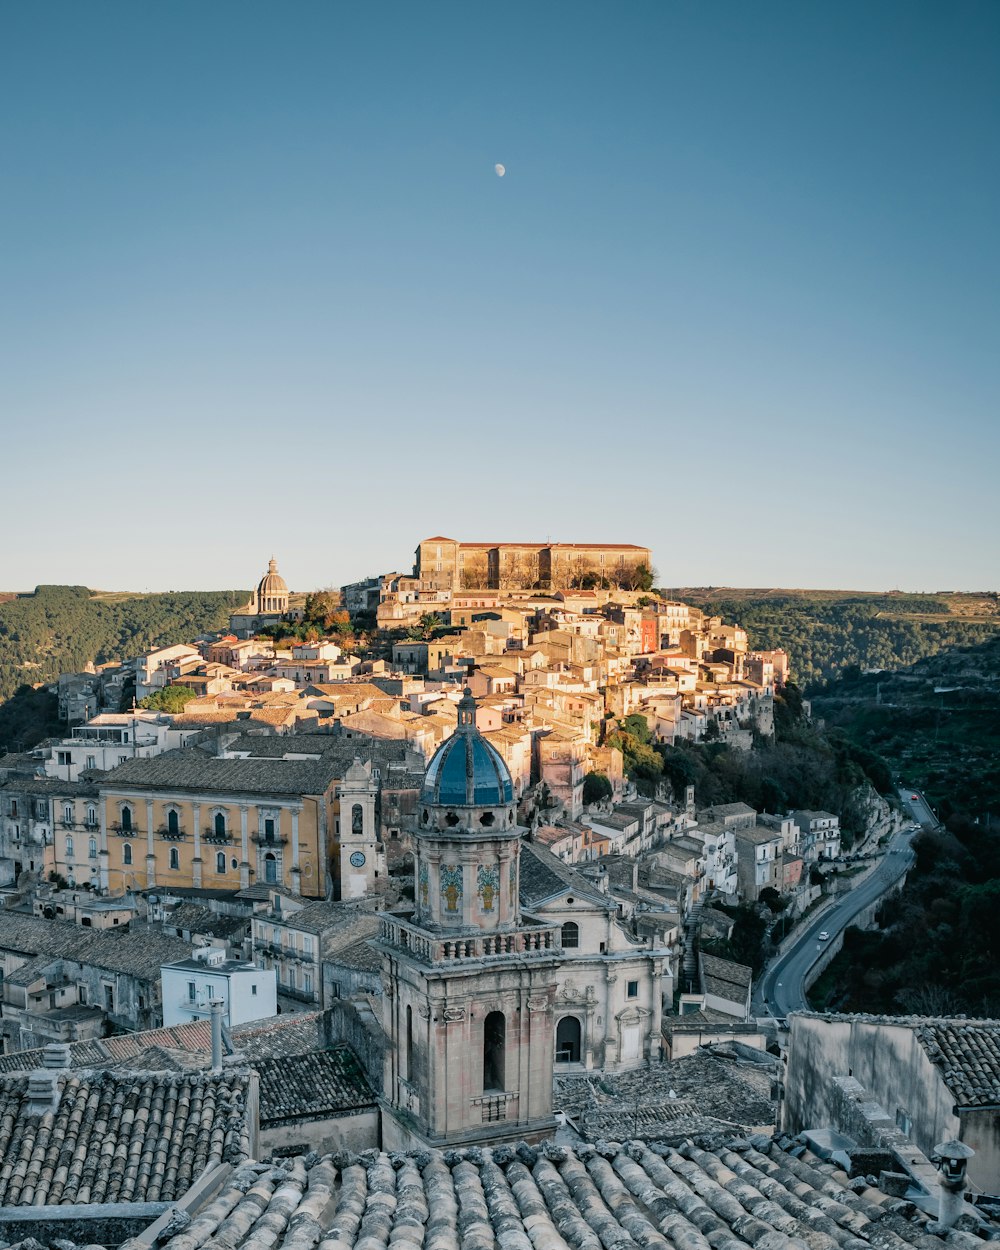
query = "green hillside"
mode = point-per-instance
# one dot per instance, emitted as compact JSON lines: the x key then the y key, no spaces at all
{"x":825,"y":631}
{"x":59,"y":629}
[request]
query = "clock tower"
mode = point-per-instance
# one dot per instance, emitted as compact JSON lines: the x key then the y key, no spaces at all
{"x":469,"y":983}
{"x":360,"y":855}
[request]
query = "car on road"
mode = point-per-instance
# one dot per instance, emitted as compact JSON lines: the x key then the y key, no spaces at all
{"x":823,"y":937}
{"x":915,"y":798}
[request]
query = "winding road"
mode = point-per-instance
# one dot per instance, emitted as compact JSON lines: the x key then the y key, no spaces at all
{"x":781,"y":988}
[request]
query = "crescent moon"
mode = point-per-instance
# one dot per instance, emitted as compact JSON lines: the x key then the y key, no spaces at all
{"x":500,"y":170}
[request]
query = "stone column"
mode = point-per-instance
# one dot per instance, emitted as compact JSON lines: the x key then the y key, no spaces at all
{"x":296,"y":882}
{"x":150,"y":852}
{"x":245,"y":849}
{"x":196,"y":862}
{"x":103,"y":858}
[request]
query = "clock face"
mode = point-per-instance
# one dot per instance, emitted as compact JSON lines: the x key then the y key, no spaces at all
{"x":358,"y":859}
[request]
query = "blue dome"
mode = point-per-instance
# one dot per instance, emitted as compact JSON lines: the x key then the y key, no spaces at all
{"x":466,"y":771}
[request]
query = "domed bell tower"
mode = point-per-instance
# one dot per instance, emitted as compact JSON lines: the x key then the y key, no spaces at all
{"x":469,"y":982}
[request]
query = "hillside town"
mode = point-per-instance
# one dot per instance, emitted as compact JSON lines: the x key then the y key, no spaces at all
{"x":369,"y":900}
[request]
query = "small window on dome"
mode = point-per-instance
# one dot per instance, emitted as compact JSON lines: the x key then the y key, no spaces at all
{"x":451,"y":819}
{"x":487,"y":818}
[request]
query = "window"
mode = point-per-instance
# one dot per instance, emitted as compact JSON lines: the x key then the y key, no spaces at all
{"x":220,"y":824}
{"x":127,"y":853}
{"x":409,"y":1043}
{"x":92,"y":848}
{"x":357,"y":818}
{"x":494,"y":1044}
{"x":270,"y":869}
{"x":568,"y":1033}
{"x":192,"y":992}
{"x":173,"y":822}
{"x":91,"y":815}
{"x":91,"y":761}
{"x":175,"y":858}
{"x":269,"y":828}
{"x":570,"y":933}
{"x":253,"y":991}
{"x":13,"y":807}
{"x":220,"y":862}
{"x":631,"y":989}
{"x":69,"y":848}
{"x":68,"y":813}
{"x":307,"y":982}
{"x":122,"y":759}
{"x":307,"y":944}
{"x":126,"y":818}
{"x":64,"y":759}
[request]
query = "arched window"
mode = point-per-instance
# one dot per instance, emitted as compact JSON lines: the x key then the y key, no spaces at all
{"x":92,"y":848}
{"x":173,"y":821}
{"x":220,"y":824}
{"x":127,"y":853}
{"x":126,"y":818}
{"x":175,"y":858}
{"x":409,"y":1042}
{"x":357,"y":818}
{"x":568,"y":1040}
{"x":570,"y":934}
{"x":270,"y":869}
{"x":69,"y":847}
{"x":494,"y":1044}
{"x":91,"y":815}
{"x":220,"y":861}
{"x":68,"y":813}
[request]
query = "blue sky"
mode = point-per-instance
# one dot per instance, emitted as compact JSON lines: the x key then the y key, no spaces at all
{"x":736,"y":297}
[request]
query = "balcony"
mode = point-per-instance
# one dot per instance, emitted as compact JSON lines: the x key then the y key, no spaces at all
{"x":212,"y":835}
{"x":171,"y":835}
{"x":523,"y":943}
{"x":269,"y":839}
{"x":120,"y":831}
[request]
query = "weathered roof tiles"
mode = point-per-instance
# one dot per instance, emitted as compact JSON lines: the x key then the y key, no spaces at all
{"x":610,"y":1197}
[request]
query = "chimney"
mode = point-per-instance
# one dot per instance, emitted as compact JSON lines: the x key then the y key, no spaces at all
{"x":952,"y":1159}
{"x":216,"y":1004}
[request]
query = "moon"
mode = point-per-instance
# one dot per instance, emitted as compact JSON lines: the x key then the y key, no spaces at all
{"x":500,"y":170}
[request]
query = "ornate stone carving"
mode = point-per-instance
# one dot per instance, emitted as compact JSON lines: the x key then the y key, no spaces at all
{"x":452,"y":1015}
{"x":538,"y":1004}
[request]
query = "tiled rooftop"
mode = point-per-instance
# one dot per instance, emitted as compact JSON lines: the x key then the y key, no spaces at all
{"x":293,"y":1086}
{"x":968,"y":1055}
{"x":119,"y":1137}
{"x":190,"y":769}
{"x":616,"y":1197}
{"x":134,"y":954}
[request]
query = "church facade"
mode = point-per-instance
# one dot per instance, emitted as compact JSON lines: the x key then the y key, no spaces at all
{"x":469,"y":982}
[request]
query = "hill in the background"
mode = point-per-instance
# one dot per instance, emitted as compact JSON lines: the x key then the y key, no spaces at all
{"x":60,"y":629}
{"x":936,"y":722}
{"x":825,"y":631}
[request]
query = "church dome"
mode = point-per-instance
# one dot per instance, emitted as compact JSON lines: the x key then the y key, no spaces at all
{"x":272,"y":590}
{"x":272,"y":584}
{"x":466,"y":771}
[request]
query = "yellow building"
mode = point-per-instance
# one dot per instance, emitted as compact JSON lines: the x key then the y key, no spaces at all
{"x":188,"y":818}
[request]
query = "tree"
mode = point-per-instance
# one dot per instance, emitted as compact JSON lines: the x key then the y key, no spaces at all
{"x":170,"y":699}
{"x":596,"y":787}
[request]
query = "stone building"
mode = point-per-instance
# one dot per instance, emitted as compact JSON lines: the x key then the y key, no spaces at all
{"x":444,"y":564}
{"x":469,"y":982}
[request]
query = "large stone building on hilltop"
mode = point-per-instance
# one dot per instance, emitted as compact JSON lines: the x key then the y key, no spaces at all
{"x":445,"y":564}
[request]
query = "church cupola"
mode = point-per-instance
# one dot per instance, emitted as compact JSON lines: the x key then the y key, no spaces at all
{"x":467,"y":840}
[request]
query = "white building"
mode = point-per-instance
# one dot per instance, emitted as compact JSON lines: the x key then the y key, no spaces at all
{"x":156,"y":669}
{"x":108,"y":740}
{"x":189,"y":986}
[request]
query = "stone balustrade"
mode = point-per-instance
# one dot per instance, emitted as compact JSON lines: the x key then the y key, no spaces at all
{"x":522,"y":943}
